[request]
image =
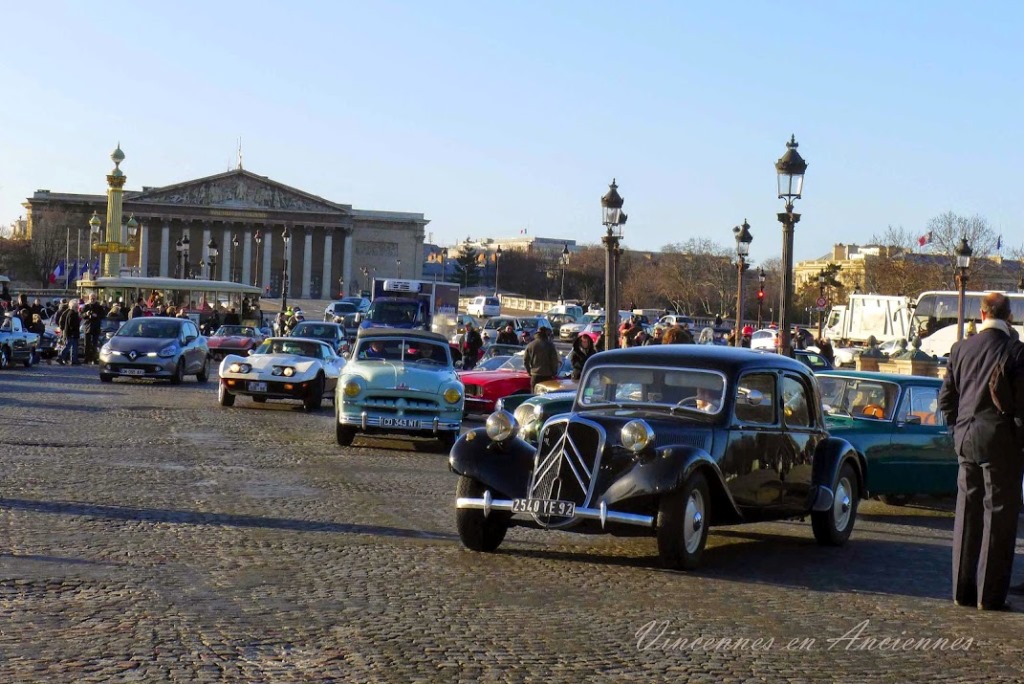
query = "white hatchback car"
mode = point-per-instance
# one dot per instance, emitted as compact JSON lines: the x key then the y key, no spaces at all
{"x":484,"y":307}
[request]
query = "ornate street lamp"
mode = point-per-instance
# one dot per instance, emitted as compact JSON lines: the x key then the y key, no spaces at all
{"x":565,"y":263}
{"x":963,"y":263}
{"x":202,"y":268}
{"x":761,"y":277}
{"x":234,"y":257}
{"x":743,"y":240}
{"x":790,"y":169}
{"x":94,"y":233}
{"x":613,"y":219}
{"x":285,"y":236}
{"x":212,"y":252}
{"x":497,"y":265}
{"x":258,"y":238}
{"x":444,"y":264}
{"x":183,"y":253}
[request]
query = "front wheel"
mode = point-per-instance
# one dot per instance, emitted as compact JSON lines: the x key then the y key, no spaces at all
{"x":204,"y":373}
{"x":477,"y":531}
{"x":179,"y":373}
{"x":683,"y":524}
{"x":315,"y":397}
{"x":833,"y":527}
{"x":225,"y":397}
{"x":344,"y":434}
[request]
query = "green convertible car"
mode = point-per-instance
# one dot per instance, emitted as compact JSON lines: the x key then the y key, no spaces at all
{"x":894,"y":422}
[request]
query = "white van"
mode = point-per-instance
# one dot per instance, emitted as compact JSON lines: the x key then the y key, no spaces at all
{"x":484,"y":307}
{"x":573,"y":310}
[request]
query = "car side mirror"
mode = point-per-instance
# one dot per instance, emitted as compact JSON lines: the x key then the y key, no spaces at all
{"x":359,"y":317}
{"x":189,"y":339}
{"x":912,"y":420}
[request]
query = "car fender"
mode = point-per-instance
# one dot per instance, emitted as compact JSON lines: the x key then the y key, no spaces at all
{"x":829,"y":456}
{"x":667,"y":470}
{"x":503,"y":466}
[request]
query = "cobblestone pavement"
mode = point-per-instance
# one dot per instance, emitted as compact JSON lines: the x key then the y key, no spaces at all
{"x":146,"y":534}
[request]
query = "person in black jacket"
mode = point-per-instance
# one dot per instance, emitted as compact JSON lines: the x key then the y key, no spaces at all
{"x":471,"y":345}
{"x":582,"y":349}
{"x":507,"y":336}
{"x":92,"y":314}
{"x":70,"y":328}
{"x":988,"y":444}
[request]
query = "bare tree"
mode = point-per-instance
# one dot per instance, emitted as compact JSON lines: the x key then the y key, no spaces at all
{"x":52,"y":232}
{"x":948,"y":229}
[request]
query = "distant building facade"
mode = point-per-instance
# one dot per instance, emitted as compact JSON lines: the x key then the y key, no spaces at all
{"x":333,"y":247}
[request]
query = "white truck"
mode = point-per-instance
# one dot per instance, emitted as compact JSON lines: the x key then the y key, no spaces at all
{"x":886,"y":317}
{"x":412,"y":304}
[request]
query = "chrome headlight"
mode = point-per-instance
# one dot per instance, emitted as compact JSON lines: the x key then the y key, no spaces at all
{"x":501,"y":426}
{"x":168,"y":352}
{"x":637,"y":435}
{"x":352,"y":388}
{"x":286,"y":371}
{"x":452,"y":395}
{"x":239,"y":368}
{"x":526,"y":414}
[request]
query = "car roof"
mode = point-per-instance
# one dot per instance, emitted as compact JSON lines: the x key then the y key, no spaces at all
{"x":887,"y":377}
{"x":400,"y":332}
{"x":728,"y":360}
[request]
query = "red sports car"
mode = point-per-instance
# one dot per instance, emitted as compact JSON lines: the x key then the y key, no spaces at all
{"x":233,"y":339}
{"x":485,"y":387}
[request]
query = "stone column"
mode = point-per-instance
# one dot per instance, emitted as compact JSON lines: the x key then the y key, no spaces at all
{"x":227,"y":255}
{"x":268,"y":245}
{"x":246,"y":254}
{"x":346,"y":257}
{"x":206,"y":252}
{"x":328,"y":286}
{"x":165,"y":245}
{"x":307,"y":260}
{"x":143,"y":248}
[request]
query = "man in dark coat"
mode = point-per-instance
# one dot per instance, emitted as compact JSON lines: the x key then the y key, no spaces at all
{"x":471,"y":344}
{"x":541,"y":358}
{"x":92,"y":314}
{"x":988,"y":443}
{"x":138,"y":310}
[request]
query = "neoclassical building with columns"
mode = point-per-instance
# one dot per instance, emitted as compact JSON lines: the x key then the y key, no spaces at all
{"x":332,"y":246}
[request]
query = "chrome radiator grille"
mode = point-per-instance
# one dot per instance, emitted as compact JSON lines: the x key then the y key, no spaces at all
{"x":567,"y":462}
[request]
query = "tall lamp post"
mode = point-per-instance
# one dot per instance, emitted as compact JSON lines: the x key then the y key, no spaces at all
{"x":258,"y":238}
{"x":212,"y":251}
{"x":497,"y":265}
{"x":760,"y":294}
{"x":613,"y":219}
{"x":790,"y":169}
{"x":285,"y":236}
{"x":565,"y":263}
{"x":821,"y":296}
{"x":963,"y":263}
{"x":743,"y":240}
{"x":94,"y":234}
{"x":234,"y":258}
{"x":444,"y":264}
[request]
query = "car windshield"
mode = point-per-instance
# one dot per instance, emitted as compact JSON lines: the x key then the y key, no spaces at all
{"x":156,"y":328}
{"x":393,"y":312}
{"x":514,"y":363}
{"x":317,"y":330}
{"x":294,"y":347}
{"x":860,"y":398}
{"x":342,"y":308}
{"x":687,"y":389}
{"x":424,"y":352}
{"x":492,"y":363}
{"x":235,"y":331}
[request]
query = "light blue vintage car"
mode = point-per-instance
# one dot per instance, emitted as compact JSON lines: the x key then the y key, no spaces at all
{"x":399,"y":382}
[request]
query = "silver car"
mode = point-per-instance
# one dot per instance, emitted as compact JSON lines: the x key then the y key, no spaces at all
{"x":155,"y":347}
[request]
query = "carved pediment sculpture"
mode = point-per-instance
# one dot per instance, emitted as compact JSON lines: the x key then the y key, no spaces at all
{"x":236,"y":190}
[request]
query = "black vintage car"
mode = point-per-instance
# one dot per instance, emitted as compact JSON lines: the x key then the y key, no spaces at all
{"x":665,"y":441}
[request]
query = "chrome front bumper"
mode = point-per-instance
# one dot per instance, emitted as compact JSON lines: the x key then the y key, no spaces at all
{"x":488,"y":504}
{"x":365,"y":420}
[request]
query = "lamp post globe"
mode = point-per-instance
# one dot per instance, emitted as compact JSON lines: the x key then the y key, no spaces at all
{"x":963,"y":254}
{"x":790,"y":169}
{"x":743,"y":240}
{"x":613,"y":218}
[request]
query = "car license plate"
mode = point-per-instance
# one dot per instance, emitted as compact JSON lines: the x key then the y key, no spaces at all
{"x":257,"y":387}
{"x":132,"y":371}
{"x":555,"y":507}
{"x":399,"y":422}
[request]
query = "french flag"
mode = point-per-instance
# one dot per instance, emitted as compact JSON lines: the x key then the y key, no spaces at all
{"x":57,"y":273}
{"x":73,"y":272}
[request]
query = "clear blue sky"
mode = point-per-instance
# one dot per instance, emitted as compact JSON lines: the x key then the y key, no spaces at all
{"x":496,"y":116}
